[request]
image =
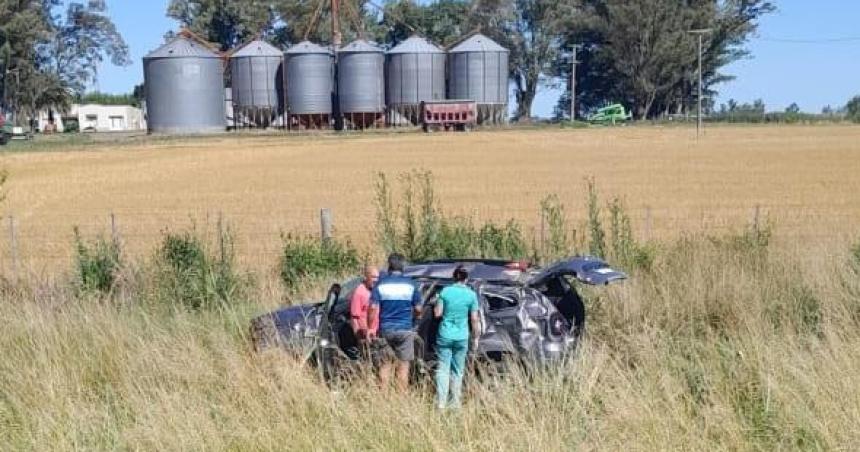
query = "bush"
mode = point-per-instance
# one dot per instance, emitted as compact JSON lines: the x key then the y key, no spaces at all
{"x":753,"y":240}
{"x":417,"y":228}
{"x":192,"y":276}
{"x":557,"y":242}
{"x":97,"y":264}
{"x":71,"y":126}
{"x":597,"y":236}
{"x":855,"y":255}
{"x":308,"y":257}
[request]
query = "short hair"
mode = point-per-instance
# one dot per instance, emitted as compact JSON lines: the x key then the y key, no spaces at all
{"x":460,"y":274}
{"x":396,"y":262}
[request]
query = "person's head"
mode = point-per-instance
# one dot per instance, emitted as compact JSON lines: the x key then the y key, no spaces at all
{"x":396,"y":262}
{"x":371,"y":275}
{"x":460,"y":274}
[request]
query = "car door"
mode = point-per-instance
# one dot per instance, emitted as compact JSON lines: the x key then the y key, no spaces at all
{"x":585,"y":269}
{"x":504,"y":320}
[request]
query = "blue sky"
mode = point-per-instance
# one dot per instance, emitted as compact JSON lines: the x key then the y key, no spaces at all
{"x":812,"y":74}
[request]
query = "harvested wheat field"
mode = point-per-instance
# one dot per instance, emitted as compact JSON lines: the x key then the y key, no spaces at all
{"x":717,"y":341}
{"x":803,"y":178}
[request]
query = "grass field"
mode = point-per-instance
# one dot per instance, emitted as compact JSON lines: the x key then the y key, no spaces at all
{"x":804,"y":179}
{"x":723,"y":343}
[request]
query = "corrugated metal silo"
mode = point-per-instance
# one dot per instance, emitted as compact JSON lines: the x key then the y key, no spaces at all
{"x":415,"y":72}
{"x":478,"y":70}
{"x":310,"y":85}
{"x":256,"y":71}
{"x":361,"y":83}
{"x":184,"y":83}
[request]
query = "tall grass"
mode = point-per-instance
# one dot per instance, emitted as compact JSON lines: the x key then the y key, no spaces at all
{"x":709,"y":350}
{"x":722,"y":342}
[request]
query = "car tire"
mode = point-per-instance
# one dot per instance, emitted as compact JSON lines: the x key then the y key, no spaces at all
{"x":4,"y":138}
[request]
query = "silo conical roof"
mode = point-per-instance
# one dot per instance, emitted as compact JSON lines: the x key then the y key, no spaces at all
{"x":478,"y":43}
{"x":307,"y":47}
{"x":360,"y":46}
{"x":257,"y":48}
{"x":415,"y":44}
{"x":182,"y":47}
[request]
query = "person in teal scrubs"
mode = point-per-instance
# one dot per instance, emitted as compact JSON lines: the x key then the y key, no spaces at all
{"x":457,"y":306}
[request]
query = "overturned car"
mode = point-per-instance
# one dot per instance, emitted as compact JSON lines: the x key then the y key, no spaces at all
{"x":528,"y":313}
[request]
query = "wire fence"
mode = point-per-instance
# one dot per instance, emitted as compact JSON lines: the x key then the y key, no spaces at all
{"x":33,"y":244}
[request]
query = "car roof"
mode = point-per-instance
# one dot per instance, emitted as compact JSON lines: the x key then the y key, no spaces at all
{"x":587,"y":269}
{"x":495,"y":271}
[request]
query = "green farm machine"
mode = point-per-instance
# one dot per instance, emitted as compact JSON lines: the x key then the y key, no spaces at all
{"x":610,"y":115}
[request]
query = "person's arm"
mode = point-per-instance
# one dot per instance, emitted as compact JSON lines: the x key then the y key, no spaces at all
{"x":417,"y":306}
{"x":475,"y":321}
{"x":373,"y":314}
{"x":438,"y":309}
{"x":358,"y":319}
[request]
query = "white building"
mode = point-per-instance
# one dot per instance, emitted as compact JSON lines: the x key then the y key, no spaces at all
{"x":96,"y":118}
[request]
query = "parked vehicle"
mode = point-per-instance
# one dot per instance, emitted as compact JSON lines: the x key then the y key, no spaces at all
{"x":459,"y":115}
{"x":531,"y":314}
{"x":610,"y":115}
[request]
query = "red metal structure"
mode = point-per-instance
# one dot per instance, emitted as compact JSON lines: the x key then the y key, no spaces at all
{"x":459,"y":115}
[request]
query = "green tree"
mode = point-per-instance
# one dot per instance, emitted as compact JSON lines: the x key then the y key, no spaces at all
{"x":531,"y":30}
{"x":45,"y":58}
{"x":226,"y":23}
{"x":639,"y":52}
{"x":443,"y":22}
{"x":310,"y":19}
{"x":852,"y":109}
{"x":80,"y":41}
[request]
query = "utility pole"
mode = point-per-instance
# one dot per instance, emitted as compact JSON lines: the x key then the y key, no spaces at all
{"x":700,"y":33}
{"x":573,"y":64}
{"x":336,"y":37}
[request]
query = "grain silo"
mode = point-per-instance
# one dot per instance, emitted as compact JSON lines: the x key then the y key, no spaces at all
{"x":478,"y":70}
{"x":257,"y":79}
{"x":361,"y":84}
{"x":310,"y":86}
{"x":415,"y":72}
{"x":184,"y":82}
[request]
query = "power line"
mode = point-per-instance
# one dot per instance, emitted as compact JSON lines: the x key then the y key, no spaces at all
{"x":811,"y":41}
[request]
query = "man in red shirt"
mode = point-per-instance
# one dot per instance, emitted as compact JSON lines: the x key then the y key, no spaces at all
{"x":359,"y":303}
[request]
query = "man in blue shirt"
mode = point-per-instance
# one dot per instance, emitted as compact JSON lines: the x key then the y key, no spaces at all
{"x":397,"y":301}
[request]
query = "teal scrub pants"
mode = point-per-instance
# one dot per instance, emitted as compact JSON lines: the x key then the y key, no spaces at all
{"x":450,"y":370}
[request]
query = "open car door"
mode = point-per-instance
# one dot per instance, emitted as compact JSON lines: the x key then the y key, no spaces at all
{"x":586,"y":269}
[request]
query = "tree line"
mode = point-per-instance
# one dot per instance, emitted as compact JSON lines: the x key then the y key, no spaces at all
{"x":50,"y":51}
{"x":637,"y":52}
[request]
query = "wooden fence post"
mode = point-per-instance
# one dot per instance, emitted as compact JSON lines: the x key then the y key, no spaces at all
{"x":756,"y":217}
{"x":114,"y":233}
{"x":647,"y":223}
{"x":13,"y":246}
{"x":542,"y":233}
{"x":325,"y":224}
